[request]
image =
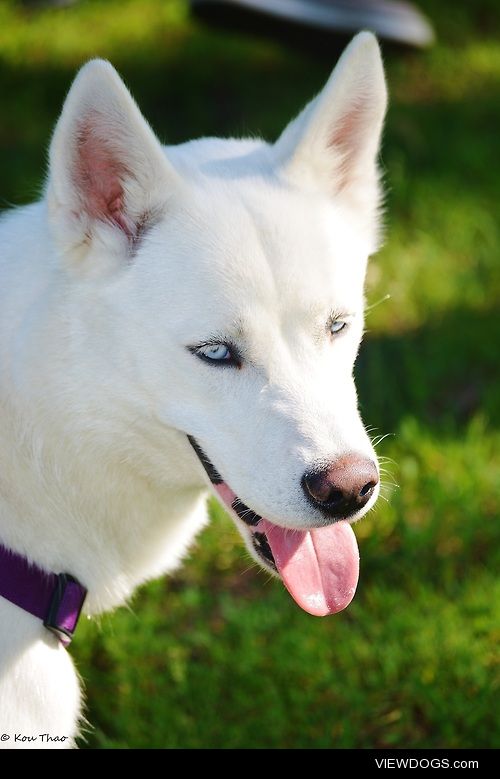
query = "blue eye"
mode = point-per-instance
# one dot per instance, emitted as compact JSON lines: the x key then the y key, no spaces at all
{"x":337,"y":326}
{"x":216,"y":353}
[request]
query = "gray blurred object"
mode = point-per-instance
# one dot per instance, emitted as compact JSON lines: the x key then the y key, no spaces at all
{"x":391,"y":20}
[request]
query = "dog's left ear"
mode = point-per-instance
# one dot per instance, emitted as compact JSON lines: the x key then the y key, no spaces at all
{"x":333,"y":144}
{"x":109,"y":178}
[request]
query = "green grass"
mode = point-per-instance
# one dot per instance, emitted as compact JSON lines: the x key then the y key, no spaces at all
{"x":218,"y":656}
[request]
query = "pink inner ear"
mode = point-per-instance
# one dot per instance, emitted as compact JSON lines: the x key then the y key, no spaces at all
{"x":99,"y":175}
{"x":347,"y":138}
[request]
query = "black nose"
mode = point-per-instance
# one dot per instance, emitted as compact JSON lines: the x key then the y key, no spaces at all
{"x":344,"y":487}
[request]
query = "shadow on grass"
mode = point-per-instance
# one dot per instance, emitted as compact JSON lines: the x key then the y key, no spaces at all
{"x":442,"y":374}
{"x":203,"y":82}
{"x":202,"y":87}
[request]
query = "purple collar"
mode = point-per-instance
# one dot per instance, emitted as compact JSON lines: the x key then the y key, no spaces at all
{"x":56,"y":599}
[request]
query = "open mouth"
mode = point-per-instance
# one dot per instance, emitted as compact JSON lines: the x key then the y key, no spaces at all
{"x":319,"y":567}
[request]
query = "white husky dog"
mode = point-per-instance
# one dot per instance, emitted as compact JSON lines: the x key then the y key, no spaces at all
{"x":168,"y":314}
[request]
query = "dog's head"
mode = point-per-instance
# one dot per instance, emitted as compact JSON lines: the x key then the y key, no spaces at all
{"x":228,"y":276}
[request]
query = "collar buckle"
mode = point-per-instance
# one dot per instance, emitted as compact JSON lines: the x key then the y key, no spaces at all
{"x":65,"y":607}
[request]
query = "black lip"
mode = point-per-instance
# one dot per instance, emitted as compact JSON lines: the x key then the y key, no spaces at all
{"x":246,"y":515}
{"x":261,"y":546}
{"x":249,"y":517}
{"x":211,"y":471}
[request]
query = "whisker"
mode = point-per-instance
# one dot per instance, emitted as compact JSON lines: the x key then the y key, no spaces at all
{"x":377,"y":303}
{"x":378,"y":439}
{"x":388,"y":477}
{"x":387,"y":461}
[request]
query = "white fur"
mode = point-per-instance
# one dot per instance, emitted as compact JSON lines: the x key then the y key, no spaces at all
{"x":101,"y":295}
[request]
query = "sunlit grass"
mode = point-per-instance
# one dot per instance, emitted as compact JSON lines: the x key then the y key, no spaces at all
{"x":61,"y":36}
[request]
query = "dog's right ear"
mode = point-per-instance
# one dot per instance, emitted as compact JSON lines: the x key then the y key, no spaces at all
{"x":109,"y":179}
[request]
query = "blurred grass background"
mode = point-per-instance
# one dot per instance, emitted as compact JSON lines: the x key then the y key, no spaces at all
{"x":218,"y":656}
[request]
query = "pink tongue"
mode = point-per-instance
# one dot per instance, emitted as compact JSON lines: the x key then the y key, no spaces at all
{"x":319,"y":567}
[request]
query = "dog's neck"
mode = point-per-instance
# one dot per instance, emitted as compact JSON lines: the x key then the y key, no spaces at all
{"x":110,"y":518}
{"x":109,"y":527}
